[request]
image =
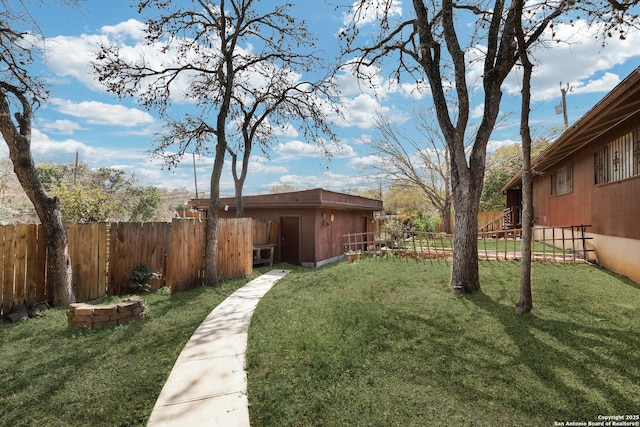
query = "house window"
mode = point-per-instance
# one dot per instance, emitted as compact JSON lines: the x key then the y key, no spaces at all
{"x":618,"y":160}
{"x":561,"y":181}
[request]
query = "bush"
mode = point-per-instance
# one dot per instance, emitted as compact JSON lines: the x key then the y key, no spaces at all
{"x":140,"y":277}
{"x":425,"y":222}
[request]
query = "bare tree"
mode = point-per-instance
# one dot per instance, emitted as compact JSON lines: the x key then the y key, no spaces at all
{"x":20,"y":94}
{"x":430,"y":43}
{"x":621,"y":23}
{"x":281,"y":98}
{"x":216,"y":50}
{"x":525,"y":305}
{"x":421,"y":162}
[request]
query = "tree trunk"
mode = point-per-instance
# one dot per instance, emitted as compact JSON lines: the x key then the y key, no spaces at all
{"x":211,"y":231}
{"x":465,"y":277}
{"x":525,"y":305}
{"x":446,"y":214}
{"x":18,"y":139}
{"x":59,"y":271}
{"x":239,"y":201}
{"x":238,"y":181}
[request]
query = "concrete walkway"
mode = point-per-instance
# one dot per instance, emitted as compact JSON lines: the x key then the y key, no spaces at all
{"x":208,"y":383}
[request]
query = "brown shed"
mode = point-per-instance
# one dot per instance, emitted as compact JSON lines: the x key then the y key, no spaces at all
{"x":312,"y":223}
{"x":591,"y":175}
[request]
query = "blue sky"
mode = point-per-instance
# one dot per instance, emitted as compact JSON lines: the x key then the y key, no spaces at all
{"x":81,"y":117}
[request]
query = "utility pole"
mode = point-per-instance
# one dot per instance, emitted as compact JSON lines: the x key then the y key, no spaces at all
{"x":75,"y":170}
{"x":195,"y":177}
{"x":564,"y":90}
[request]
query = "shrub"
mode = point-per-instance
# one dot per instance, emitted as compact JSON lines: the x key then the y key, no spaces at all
{"x":140,"y":278}
{"x":425,"y":222}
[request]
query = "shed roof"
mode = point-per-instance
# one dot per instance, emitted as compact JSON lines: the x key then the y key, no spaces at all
{"x":316,"y":198}
{"x":619,"y":106}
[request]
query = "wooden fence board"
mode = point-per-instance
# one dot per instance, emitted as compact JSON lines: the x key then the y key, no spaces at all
{"x":31,"y":280}
{"x":264,"y":232}
{"x":123,"y":255}
{"x":260,"y":231}
{"x":154,"y":244}
{"x":198,"y":250}
{"x":77,"y":247}
{"x":43,"y":289}
{"x":97,"y":283}
{"x":273,"y":230}
{"x":20,"y":266}
{"x":174,"y":260}
{"x":133,"y":245}
{"x":186,"y":255}
{"x":101,"y":269}
{"x":115,"y":243}
{"x":8,"y":264}
{"x":103,"y":255}
{"x":91,"y":264}
{"x":223,"y":247}
{"x":178,"y":277}
{"x":76,"y":242}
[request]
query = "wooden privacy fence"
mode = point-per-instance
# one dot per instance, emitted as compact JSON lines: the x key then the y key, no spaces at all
{"x":103,"y":255}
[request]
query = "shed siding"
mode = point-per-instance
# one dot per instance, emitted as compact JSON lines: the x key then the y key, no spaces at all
{"x":318,"y":242}
{"x":321,"y":238}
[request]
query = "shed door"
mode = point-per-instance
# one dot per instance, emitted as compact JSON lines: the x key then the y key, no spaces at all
{"x":290,"y":239}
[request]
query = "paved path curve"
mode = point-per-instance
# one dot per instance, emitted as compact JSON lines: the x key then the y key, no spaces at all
{"x":208,"y":383}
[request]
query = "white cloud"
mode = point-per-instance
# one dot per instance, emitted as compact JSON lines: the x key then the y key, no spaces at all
{"x":262,"y":165}
{"x":44,"y":148}
{"x":366,"y":162}
{"x":578,"y":59}
{"x":131,"y":28}
{"x":62,"y":127}
{"x":103,"y":114}
{"x":348,"y":83}
{"x":415,"y":90}
{"x":286,"y":130}
{"x":361,"y":111}
{"x":477,"y":111}
{"x":71,"y":56}
{"x":327,"y":180}
{"x":364,"y":139}
{"x":298,"y":149}
{"x":603,"y":84}
{"x":363,"y":13}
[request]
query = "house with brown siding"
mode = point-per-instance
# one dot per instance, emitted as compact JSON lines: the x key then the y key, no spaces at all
{"x":591,"y":175}
{"x":312,"y":223}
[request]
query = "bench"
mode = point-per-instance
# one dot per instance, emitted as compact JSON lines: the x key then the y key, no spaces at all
{"x":263,"y":254}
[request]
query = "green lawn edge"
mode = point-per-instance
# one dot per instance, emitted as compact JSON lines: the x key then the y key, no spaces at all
{"x":386,"y":343}
{"x":52,"y":374}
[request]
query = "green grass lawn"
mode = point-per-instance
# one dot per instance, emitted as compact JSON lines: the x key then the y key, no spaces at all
{"x":380,"y":343}
{"x":377,"y":342}
{"x":502,"y":245}
{"x":55,"y":375}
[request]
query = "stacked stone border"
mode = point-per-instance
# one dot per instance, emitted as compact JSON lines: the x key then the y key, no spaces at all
{"x":97,"y":316}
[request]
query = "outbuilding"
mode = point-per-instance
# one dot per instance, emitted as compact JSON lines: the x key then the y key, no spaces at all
{"x":312,"y":223}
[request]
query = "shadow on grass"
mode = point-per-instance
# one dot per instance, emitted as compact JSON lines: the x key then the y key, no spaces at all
{"x":586,"y":364}
{"x":56,"y":375}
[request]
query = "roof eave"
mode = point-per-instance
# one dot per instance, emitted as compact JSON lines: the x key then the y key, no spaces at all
{"x":597,"y":121}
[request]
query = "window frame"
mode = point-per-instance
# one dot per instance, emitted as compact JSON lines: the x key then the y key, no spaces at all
{"x":618,"y":159}
{"x":562,"y":180}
